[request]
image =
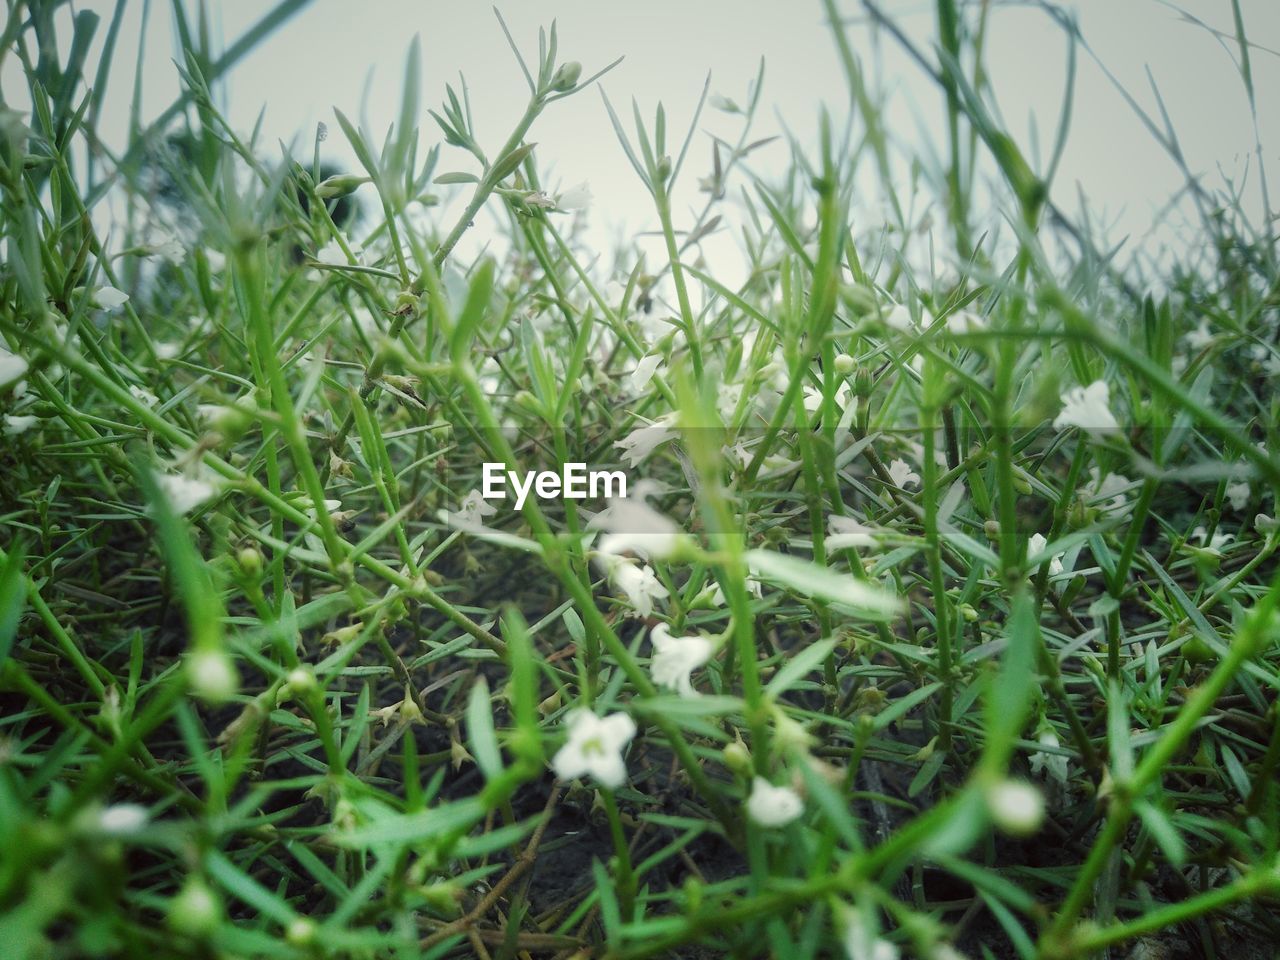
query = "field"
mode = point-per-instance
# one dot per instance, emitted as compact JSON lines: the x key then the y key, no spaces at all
{"x":938,"y":619}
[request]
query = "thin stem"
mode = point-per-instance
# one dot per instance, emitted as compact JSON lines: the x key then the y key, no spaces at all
{"x":622,"y":857}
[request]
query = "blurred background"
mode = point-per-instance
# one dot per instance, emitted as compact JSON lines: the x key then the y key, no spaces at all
{"x":334,"y":53}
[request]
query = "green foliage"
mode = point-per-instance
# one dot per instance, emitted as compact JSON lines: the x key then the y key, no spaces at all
{"x":941,"y":616}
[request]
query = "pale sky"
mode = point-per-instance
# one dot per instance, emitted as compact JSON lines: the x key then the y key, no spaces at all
{"x":350,"y":55}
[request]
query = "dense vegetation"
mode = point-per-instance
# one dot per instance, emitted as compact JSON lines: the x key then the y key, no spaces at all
{"x":940,"y":619}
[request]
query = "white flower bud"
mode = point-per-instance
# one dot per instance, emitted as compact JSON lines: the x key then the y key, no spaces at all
{"x":302,"y":679}
{"x":772,"y":806}
{"x":213,"y":676}
{"x":1016,"y":807}
{"x":122,"y":819}
{"x":300,"y":932}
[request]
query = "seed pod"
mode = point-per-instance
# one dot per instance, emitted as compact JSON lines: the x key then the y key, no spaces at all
{"x":737,"y":757}
{"x":249,"y":560}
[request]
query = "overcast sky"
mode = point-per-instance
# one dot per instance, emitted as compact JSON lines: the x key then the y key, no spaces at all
{"x":350,"y":55}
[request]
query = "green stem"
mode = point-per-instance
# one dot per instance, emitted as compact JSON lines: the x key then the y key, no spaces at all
{"x":1245,"y":646}
{"x":930,"y":496}
{"x":692,"y":336}
{"x":1118,"y":580}
{"x":1087,"y":942}
{"x":622,"y":856}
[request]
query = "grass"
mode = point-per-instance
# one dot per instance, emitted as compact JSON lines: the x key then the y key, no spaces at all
{"x":940,"y":620}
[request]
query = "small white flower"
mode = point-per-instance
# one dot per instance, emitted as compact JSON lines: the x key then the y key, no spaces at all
{"x":902,"y":475}
{"x":1016,"y":807}
{"x":169,"y":248}
{"x":1054,"y":764}
{"x":645,"y":370}
{"x":575,"y":198}
{"x":772,"y":806}
{"x":738,"y":455}
{"x":143,"y":396}
{"x":595,"y":747}
{"x":1036,"y":544}
{"x":1087,"y":408}
{"x":845,"y":532}
{"x":1112,"y":489}
{"x":1265,"y":524}
{"x":643,"y":440}
{"x":637,"y":581}
{"x":184,"y":493}
{"x":715,"y":594}
{"x":333,"y":254}
{"x":1238,"y":495}
{"x":167,"y":350}
{"x":217,"y":260}
{"x":1270,"y":360}
{"x":16,"y":424}
{"x":123,"y":819}
{"x":813,"y":397}
{"x":965,"y":321}
{"x":1200,"y":337}
{"x":12,"y":368}
{"x":635,"y":527}
{"x":470,"y":516}
{"x":675,"y":658}
{"x":108,"y":297}
{"x":727,"y":397}
{"x":861,"y":941}
{"x":1215,"y":543}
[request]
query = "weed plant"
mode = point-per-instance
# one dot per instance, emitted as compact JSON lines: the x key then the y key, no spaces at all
{"x":939,"y":621}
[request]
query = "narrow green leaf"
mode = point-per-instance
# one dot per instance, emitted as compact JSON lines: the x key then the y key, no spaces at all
{"x":473,"y":310}
{"x":412,"y":828}
{"x":1163,"y":832}
{"x":798,"y":666}
{"x":822,"y":583}
{"x":480,"y":732}
{"x":1010,"y":693}
{"x":13,"y":597}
